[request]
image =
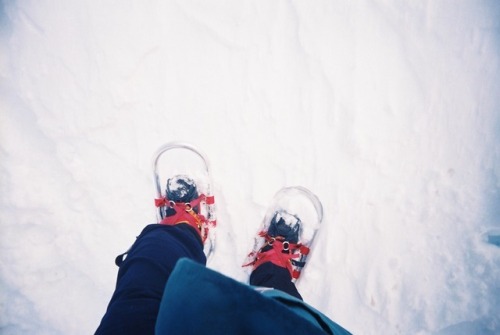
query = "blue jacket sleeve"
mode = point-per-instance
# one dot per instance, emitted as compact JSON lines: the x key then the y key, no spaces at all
{"x":198,"y":300}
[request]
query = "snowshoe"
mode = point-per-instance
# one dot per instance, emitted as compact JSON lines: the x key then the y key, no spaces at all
{"x":288,"y":231}
{"x":184,"y":190}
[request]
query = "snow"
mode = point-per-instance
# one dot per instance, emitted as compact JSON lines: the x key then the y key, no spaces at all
{"x":387,"y":110}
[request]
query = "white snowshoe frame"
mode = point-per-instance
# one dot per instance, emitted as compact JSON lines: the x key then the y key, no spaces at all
{"x":209,"y":209}
{"x":309,"y":227}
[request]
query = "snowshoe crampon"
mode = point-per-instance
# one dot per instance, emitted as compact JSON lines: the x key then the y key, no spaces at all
{"x":288,"y":230}
{"x":184,"y":190}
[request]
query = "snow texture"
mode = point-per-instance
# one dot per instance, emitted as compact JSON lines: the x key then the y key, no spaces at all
{"x":388,"y":110}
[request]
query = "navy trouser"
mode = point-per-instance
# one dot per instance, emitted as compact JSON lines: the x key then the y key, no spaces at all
{"x":142,"y":276}
{"x":270,"y":275}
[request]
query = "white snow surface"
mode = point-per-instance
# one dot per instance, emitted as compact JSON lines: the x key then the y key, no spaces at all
{"x":388,"y":110}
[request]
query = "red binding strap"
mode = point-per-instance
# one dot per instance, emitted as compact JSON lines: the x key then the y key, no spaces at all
{"x":161,"y":202}
{"x":184,"y":213}
{"x":195,"y":202}
{"x":304,"y":250}
{"x":281,"y":254}
{"x":210,"y":200}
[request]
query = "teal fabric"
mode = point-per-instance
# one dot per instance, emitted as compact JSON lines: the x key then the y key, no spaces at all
{"x":308,"y":312}
{"x":198,"y":300}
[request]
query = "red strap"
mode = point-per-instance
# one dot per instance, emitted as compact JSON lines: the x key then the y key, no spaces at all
{"x":276,"y":256}
{"x":161,"y":202}
{"x":185,"y":214}
{"x":195,"y":202}
{"x":184,"y":217}
{"x":304,"y":250}
{"x":210,"y":200}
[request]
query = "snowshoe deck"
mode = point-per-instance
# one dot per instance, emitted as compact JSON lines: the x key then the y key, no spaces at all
{"x":288,"y":230}
{"x":183,"y":183}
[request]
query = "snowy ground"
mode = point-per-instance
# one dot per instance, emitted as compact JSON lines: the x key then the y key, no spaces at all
{"x":388,"y":110}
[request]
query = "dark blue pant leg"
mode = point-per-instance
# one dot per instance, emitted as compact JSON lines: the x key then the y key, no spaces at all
{"x":142,"y":277}
{"x":274,"y":276}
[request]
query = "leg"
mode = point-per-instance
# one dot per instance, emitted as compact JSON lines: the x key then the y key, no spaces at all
{"x":143,"y":274}
{"x":274,"y":276}
{"x":273,"y":262}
